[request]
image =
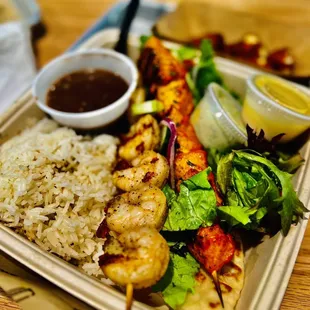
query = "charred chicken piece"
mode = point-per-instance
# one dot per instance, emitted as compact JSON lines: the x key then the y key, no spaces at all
{"x":212,"y":248}
{"x":175,"y":95}
{"x":186,"y":137}
{"x":189,"y":164}
{"x":157,"y":65}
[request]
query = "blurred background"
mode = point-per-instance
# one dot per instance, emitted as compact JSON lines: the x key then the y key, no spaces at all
{"x":57,"y":24}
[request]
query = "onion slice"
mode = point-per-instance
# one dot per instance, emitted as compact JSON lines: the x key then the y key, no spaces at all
{"x":171,"y":147}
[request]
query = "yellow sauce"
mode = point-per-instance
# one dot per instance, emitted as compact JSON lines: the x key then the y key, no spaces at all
{"x":259,"y":113}
{"x":270,"y":124}
{"x":284,"y":94}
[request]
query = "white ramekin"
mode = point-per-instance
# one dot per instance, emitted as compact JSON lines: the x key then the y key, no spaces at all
{"x":86,"y":59}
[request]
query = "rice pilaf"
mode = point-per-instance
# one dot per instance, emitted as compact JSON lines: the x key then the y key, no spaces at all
{"x":54,"y":186}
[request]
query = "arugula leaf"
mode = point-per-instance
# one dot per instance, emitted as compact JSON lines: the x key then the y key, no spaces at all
{"x":291,"y":205}
{"x":178,"y":280}
{"x":232,"y":198}
{"x":194,"y":206}
{"x":214,"y":156}
{"x":204,"y":71}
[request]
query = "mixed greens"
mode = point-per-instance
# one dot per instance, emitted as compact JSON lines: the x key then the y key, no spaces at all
{"x":255,"y":190}
{"x":193,"y":207}
{"x":256,"y":183}
{"x":204,"y":71}
{"x":285,"y":160}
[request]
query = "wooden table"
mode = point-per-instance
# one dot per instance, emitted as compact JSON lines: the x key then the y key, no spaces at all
{"x":6,"y":303}
{"x":66,"y":20}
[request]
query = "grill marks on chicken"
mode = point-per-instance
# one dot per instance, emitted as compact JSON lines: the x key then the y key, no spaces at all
{"x":176,"y":96}
{"x":158,"y":66}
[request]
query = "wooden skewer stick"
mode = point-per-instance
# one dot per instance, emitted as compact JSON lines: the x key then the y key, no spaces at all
{"x":217,"y":284}
{"x":129,"y":296}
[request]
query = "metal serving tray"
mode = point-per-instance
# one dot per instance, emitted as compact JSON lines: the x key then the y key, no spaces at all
{"x":268,"y":266}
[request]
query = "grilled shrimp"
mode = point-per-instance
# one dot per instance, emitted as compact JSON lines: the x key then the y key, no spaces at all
{"x":139,"y":257}
{"x":148,"y":168}
{"x":144,"y":135}
{"x":144,"y":207}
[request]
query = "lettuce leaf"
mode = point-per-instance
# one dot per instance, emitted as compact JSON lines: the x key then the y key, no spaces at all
{"x":205,"y":71}
{"x":224,"y":172}
{"x":194,"y":206}
{"x":178,"y":280}
{"x":192,"y":87}
{"x":289,"y":163}
{"x":143,"y":40}
{"x":186,"y":53}
{"x":255,"y":188}
{"x":235,"y":215}
{"x":214,"y":156}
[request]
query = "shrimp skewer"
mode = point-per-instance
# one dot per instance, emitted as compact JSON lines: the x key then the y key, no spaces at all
{"x":144,"y":135}
{"x":144,"y":207}
{"x":148,"y":168}
{"x":135,"y":254}
{"x":139,"y":257}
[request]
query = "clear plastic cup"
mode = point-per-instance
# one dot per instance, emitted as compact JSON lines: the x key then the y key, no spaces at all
{"x":217,"y":119}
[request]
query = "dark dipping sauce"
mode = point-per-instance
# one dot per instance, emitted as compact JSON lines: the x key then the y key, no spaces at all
{"x":85,"y":91}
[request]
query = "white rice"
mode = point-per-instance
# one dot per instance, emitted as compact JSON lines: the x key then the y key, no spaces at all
{"x":54,"y":186}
